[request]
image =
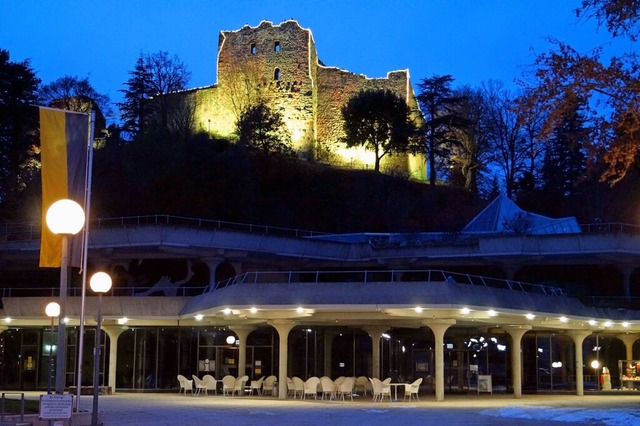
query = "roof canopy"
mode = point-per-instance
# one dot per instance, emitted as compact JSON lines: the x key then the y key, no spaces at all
{"x":504,"y":216}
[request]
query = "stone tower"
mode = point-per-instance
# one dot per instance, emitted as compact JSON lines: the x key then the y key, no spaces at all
{"x":279,"y":65}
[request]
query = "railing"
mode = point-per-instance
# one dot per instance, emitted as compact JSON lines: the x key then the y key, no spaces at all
{"x":182,"y":291}
{"x":366,"y":276}
{"x":2,"y":413}
{"x":20,"y":231}
{"x":613,"y":302}
{"x":31,"y":230}
{"x":610,"y":228}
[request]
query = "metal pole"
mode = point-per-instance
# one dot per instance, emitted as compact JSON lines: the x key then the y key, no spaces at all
{"x":62,"y":344}
{"x":85,"y":254}
{"x":50,"y":358}
{"x":96,"y":365}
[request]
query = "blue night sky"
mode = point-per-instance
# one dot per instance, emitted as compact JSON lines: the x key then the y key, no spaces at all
{"x":474,"y":41}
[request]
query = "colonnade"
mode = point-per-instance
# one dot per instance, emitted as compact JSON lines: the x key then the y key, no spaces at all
{"x":438,"y":328}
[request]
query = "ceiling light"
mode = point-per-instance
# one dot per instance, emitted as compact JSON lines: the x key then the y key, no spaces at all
{"x":418,"y":309}
{"x":492,"y":313}
{"x":253,"y":310}
{"x":564,"y":319}
{"x":199,"y":317}
{"x":299,"y":309}
{"x":226,"y":311}
{"x":530,"y":316}
{"x":465,"y":311}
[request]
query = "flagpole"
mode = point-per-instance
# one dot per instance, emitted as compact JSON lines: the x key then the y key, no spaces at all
{"x":85,"y":252}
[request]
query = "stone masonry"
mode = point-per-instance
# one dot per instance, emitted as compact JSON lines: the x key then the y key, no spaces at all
{"x":279,"y":64}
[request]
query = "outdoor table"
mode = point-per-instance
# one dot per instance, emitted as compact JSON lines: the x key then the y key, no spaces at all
{"x":395,"y":385}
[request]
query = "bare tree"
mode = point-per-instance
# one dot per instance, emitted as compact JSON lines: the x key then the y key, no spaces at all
{"x":471,"y":154}
{"x":241,"y":88}
{"x":505,"y":130}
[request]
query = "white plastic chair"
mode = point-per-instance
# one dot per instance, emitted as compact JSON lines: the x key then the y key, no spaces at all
{"x":328,"y":387}
{"x":412,"y":389}
{"x":257,"y":386}
{"x":211,"y":382}
{"x":311,"y":387}
{"x":200,"y":385}
{"x":298,"y":387}
{"x":186,"y":385}
{"x":238,"y":386}
{"x":228,"y":383}
{"x":346,"y":388}
{"x":380,"y":390}
{"x":362,"y":385}
{"x":268,"y":385}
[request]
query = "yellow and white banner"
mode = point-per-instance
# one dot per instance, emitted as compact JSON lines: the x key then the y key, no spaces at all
{"x":64,"y":147}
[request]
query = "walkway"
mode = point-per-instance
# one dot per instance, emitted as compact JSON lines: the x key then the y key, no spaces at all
{"x":165,"y":409}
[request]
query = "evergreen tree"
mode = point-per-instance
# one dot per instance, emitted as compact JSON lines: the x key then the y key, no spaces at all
{"x":565,"y":160}
{"x":439,"y":103}
{"x":18,"y":123}
{"x":133,"y":110}
{"x":147,"y":96}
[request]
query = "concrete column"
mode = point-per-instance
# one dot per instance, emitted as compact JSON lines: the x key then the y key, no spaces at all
{"x":113,"y":332}
{"x":439,"y":327}
{"x":212,"y":264}
{"x":283,"y":327}
{"x":242,"y":332}
{"x":578,"y":337}
{"x":516,"y":332}
{"x":375,"y":333}
{"x":628,"y":340}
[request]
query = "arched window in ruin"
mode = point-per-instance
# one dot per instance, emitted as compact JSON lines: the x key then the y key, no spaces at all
{"x":276,"y":74}
{"x":276,"y":46}
{"x":254,"y":49}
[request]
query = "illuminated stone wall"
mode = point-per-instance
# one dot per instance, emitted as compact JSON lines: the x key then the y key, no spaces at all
{"x":279,"y":64}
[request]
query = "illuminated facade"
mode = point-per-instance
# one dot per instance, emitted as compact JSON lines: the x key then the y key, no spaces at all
{"x":279,"y":64}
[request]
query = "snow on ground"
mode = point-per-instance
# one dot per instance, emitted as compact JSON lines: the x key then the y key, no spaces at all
{"x":606,"y":416}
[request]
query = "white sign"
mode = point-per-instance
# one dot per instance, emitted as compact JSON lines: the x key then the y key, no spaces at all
{"x":53,"y":407}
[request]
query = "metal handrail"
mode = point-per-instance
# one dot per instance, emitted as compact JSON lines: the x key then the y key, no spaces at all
{"x":2,"y":413}
{"x":31,"y":230}
{"x":182,"y":291}
{"x":391,"y":276}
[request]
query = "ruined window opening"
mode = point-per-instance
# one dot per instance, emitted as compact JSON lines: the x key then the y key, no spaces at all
{"x":276,"y":74}
{"x":276,"y":46}
{"x":254,"y":49}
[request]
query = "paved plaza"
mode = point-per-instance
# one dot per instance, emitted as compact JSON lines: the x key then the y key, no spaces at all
{"x":164,"y":409}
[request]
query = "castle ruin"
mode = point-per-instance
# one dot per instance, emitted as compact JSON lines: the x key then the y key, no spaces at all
{"x":279,"y":65}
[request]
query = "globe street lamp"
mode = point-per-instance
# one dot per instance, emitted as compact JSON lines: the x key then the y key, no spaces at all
{"x":53,"y":311}
{"x":100,"y":283}
{"x":66,"y":218}
{"x":595,"y":364}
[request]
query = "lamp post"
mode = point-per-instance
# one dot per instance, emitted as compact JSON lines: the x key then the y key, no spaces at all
{"x":52,"y":310}
{"x":100,"y":283}
{"x":595,"y":364}
{"x":66,"y":218}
